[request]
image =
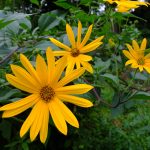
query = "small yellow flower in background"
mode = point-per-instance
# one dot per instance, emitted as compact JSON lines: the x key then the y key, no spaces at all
{"x":136,"y":56}
{"x":127,"y":5}
{"x":47,"y":95}
{"x":111,"y":43}
{"x":75,"y":54}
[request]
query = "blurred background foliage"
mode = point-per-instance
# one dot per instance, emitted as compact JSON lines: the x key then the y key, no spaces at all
{"x":120,"y":118}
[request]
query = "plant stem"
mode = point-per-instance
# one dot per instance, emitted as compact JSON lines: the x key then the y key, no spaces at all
{"x":9,"y":55}
{"x":99,"y":99}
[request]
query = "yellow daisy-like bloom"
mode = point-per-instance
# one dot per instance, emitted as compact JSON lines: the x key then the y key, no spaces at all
{"x":47,"y":95}
{"x":75,"y":54}
{"x":127,"y":5}
{"x":111,"y":43}
{"x":136,"y":56}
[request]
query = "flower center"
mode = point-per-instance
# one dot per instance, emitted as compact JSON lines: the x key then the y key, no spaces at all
{"x":75,"y":52}
{"x":47,"y":93}
{"x":140,"y":61}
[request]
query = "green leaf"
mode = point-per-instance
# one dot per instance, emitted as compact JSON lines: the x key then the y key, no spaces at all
{"x":9,"y":94}
{"x":107,"y":92}
{"x":81,"y":15}
{"x":114,"y":79}
{"x":5,"y":128}
{"x":100,"y":65}
{"x":4,"y":23}
{"x":118,"y":110}
{"x":16,"y":16}
{"x":50,"y":20}
{"x":44,"y":44}
{"x":141,"y":96}
{"x":25,"y":146}
{"x":64,"y":4}
{"x":36,"y":2}
{"x":12,"y":144}
{"x":86,"y":2}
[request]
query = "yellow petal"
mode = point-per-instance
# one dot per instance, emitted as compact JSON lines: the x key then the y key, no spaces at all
{"x":61,"y":60}
{"x":37,"y":123}
{"x":72,"y":76}
{"x":60,"y":53}
{"x":50,"y":62}
{"x":28,"y":122}
{"x":147,"y":68}
{"x":41,"y":69}
{"x":70,"y":35}
{"x":143,"y":45}
{"x":134,"y":65}
{"x":50,"y":59}
{"x":74,"y":89}
{"x":70,"y":66}
{"x":18,"y":84}
{"x":132,"y":51}
{"x":57,"y":117}
{"x":25,"y":62}
{"x":129,"y":62}
{"x":122,"y":9}
{"x":147,"y":56}
{"x":140,"y":68}
{"x":96,"y":40}
{"x":19,"y":103}
{"x":57,"y":71}
{"x":18,"y":110}
{"x":24,"y":76}
{"x":127,"y":54}
{"x":91,"y":47}
{"x":87,"y":36}
{"x":79,"y":33}
{"x":87,"y":66}
{"x":82,"y":102}
{"x":147,"y":62}
{"x":135,"y":45}
{"x":78,"y":66}
{"x":83,"y":57}
{"x":44,"y":127}
{"x":59,"y":44}
{"x":68,"y":115}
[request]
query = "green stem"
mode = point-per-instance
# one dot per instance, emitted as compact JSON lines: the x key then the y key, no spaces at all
{"x":131,"y":82}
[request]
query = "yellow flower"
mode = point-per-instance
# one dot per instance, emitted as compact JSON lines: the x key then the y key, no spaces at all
{"x":136,"y":56}
{"x":75,"y":54}
{"x":126,"y":5}
{"x":111,"y":43}
{"x":47,"y":95}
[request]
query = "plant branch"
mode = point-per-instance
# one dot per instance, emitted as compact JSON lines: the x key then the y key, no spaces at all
{"x":9,"y":55}
{"x":99,"y":99}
